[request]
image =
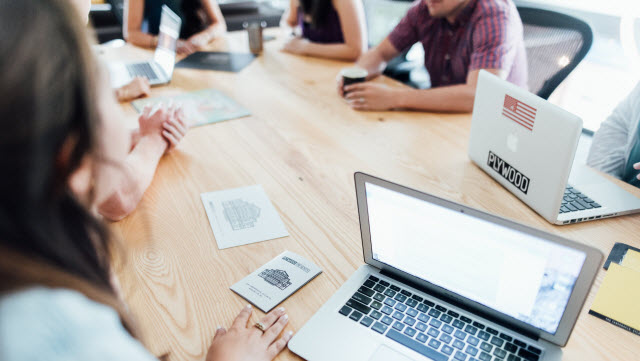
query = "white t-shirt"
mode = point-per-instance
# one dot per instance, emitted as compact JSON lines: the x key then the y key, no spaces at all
{"x":43,"y":324}
{"x":616,"y":137}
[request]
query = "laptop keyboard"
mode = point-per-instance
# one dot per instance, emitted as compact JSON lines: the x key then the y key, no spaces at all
{"x":574,"y":201}
{"x":143,"y":70}
{"x":429,"y":328}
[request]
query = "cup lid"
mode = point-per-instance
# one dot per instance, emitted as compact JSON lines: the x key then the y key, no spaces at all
{"x":354,"y":72}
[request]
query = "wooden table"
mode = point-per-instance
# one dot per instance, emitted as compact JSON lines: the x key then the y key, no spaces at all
{"x":303,"y":144}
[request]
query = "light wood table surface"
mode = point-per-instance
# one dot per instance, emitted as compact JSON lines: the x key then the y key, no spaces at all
{"x":303,"y":144}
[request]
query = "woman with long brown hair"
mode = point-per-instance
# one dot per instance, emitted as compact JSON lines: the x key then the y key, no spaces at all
{"x":61,"y":146}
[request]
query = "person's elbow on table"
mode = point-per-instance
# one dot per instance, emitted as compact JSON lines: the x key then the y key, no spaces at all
{"x":119,"y":205}
{"x":353,"y":53}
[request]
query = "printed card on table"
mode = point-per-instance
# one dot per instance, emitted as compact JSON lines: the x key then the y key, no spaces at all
{"x":242,"y":216}
{"x":278,"y":279}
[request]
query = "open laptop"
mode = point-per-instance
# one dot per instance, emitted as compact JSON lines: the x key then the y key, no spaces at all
{"x":528,"y":146}
{"x":158,"y":70}
{"x":443,"y":281}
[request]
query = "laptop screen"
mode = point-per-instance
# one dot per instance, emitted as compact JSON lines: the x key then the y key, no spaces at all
{"x":165,"y":55}
{"x":515,"y":273}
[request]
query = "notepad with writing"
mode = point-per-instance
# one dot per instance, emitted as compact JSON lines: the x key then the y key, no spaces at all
{"x":618,"y":298}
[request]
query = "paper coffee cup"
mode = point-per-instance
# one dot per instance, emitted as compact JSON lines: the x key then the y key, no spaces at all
{"x":353,"y":75}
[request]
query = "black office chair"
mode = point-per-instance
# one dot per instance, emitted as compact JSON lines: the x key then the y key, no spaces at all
{"x":105,"y":21}
{"x":117,"y":9}
{"x":556,"y":43}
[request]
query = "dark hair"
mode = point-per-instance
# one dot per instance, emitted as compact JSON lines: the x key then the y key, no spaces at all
{"x":48,"y":102}
{"x":317,"y":9}
{"x":194,"y":18}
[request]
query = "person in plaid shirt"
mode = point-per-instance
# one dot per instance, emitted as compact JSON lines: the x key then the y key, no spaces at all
{"x":460,"y":38}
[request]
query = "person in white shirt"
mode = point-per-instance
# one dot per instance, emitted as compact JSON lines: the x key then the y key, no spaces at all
{"x":616,"y":146}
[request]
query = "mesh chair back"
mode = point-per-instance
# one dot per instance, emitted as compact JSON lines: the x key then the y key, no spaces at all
{"x":556,"y":43}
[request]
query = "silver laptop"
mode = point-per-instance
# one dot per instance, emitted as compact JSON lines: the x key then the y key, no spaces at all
{"x":447,"y":282}
{"x":158,"y":70}
{"x":528,"y":145}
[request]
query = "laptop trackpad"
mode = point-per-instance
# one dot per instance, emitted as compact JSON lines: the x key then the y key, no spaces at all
{"x":384,"y":353}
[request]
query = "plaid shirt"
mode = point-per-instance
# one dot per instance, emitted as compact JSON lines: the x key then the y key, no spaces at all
{"x":486,"y":35}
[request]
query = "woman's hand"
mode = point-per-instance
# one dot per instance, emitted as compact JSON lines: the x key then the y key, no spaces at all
{"x":199,"y":40}
{"x":185,"y":47}
{"x":244,"y":342}
{"x":137,"y":88}
{"x":636,"y":166}
{"x":175,"y":128}
{"x":295,"y":45}
{"x":151,"y":120}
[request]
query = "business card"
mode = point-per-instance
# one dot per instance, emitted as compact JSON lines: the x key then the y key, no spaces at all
{"x":275,"y":281}
{"x":242,"y":216}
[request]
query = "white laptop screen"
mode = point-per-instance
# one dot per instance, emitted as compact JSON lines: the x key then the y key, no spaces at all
{"x":517,"y":274}
{"x":165,"y":55}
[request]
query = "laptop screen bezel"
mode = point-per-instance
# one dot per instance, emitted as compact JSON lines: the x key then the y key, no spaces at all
{"x":581,"y":289}
{"x":168,"y":73}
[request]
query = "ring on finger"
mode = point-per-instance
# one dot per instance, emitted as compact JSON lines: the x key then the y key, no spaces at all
{"x":360,"y":100}
{"x":260,"y":326}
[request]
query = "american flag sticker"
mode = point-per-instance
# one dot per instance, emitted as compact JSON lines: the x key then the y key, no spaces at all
{"x":519,"y":112}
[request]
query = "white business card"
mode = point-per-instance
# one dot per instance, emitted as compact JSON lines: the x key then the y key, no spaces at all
{"x":278,"y":279}
{"x":242,"y":216}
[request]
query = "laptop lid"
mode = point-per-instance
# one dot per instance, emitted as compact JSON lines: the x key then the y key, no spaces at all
{"x":525,"y":279}
{"x":165,"y":55}
{"x":523,"y":142}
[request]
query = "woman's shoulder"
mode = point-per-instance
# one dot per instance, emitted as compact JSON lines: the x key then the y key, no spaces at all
{"x":60,"y":324}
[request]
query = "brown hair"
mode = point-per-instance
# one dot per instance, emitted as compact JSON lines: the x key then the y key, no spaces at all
{"x":48,"y":101}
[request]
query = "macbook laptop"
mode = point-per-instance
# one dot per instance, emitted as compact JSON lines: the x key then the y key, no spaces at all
{"x":443,"y":281}
{"x":158,"y":70}
{"x":528,"y":146}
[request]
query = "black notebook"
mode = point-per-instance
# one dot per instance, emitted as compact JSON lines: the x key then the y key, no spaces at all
{"x":220,"y":61}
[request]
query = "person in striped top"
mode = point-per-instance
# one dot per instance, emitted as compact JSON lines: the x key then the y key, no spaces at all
{"x":460,"y":38}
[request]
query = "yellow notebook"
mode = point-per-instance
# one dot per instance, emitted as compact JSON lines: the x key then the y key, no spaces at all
{"x":632,"y":260}
{"x":618,"y":299}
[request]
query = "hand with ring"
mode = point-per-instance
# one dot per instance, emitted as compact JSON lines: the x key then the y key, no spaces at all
{"x":372,"y":96}
{"x":260,"y":341}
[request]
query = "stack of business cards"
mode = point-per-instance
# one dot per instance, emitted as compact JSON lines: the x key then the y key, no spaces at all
{"x":278,"y":279}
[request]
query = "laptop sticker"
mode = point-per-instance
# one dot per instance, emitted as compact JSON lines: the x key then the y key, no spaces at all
{"x":508,"y":172}
{"x":519,"y":112}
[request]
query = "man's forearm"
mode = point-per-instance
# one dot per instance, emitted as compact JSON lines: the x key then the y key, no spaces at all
{"x":376,"y":59}
{"x":455,"y":98}
{"x":373,"y":62}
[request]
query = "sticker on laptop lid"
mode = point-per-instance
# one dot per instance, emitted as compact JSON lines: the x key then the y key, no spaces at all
{"x":508,"y":172}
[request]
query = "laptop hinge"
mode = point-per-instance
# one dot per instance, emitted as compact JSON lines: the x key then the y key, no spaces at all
{"x":485,"y":315}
